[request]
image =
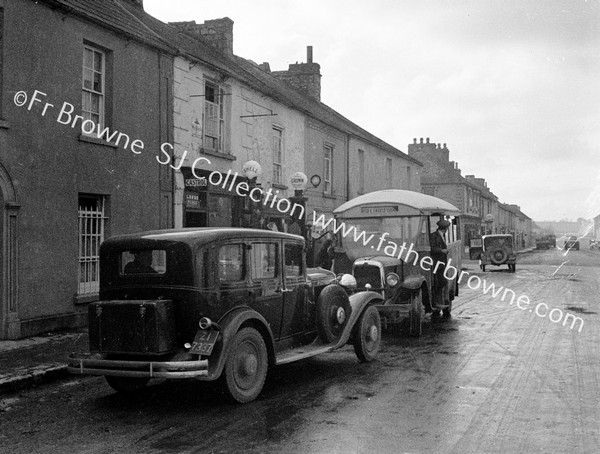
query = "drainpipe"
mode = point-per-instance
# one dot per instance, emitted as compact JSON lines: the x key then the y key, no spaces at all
{"x":348,"y":168}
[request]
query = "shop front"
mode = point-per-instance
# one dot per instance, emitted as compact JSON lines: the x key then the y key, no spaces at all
{"x":212,"y":205}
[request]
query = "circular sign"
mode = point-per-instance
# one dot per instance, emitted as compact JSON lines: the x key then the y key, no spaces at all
{"x":489,"y":218}
{"x":299,"y":180}
{"x":251,"y":169}
{"x":315,"y":180}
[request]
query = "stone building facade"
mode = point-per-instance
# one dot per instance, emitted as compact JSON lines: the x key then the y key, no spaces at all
{"x":64,"y":190}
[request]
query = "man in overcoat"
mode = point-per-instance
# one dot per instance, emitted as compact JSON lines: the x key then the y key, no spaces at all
{"x":439,"y":253}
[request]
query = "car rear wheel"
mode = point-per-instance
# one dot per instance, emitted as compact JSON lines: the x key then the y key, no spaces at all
{"x":246,"y":366}
{"x":367,"y":336}
{"x":127,"y":385}
{"x":333,"y":312}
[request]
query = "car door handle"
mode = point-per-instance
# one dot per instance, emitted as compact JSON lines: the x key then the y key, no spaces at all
{"x":282,"y":290}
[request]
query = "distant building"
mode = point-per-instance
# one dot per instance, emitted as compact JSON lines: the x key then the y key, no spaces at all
{"x":482,"y":213}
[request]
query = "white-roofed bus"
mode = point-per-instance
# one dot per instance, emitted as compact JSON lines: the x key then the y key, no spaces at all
{"x":383,"y":239}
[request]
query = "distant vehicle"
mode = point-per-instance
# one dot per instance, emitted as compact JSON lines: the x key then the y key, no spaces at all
{"x":551,"y":240}
{"x":215,"y":303}
{"x":595,"y":244}
{"x":498,"y":250}
{"x":572,"y":243}
{"x":542,"y":243}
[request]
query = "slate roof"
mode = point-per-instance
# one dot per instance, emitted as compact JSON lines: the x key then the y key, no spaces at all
{"x":249,"y":73}
{"x":112,"y":14}
{"x":131,"y":20}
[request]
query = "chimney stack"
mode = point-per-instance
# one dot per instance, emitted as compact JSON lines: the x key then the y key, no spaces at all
{"x":218,"y":32}
{"x":304,"y":77}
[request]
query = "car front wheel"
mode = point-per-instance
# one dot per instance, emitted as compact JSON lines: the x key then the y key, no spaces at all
{"x":246,"y":366}
{"x":333,"y":312}
{"x":367,"y":336}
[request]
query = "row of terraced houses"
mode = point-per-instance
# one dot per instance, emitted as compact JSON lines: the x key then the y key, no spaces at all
{"x":178,"y":114}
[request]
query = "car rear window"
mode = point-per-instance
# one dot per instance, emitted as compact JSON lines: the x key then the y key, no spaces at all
{"x":143,"y":261}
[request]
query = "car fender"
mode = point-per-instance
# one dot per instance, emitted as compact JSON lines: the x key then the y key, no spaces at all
{"x":413,"y":281}
{"x":358,"y":302}
{"x":229,"y":325}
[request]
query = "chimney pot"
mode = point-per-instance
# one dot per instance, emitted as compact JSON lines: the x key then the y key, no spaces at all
{"x":427,"y":140}
{"x":309,"y":54}
{"x":421,"y":139}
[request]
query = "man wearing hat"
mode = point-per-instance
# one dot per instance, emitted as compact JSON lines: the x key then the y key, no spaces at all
{"x":439,"y":253}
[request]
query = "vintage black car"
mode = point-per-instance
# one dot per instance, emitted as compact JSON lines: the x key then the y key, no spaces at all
{"x":215,"y":303}
{"x":572,"y":243}
{"x":498,"y":250}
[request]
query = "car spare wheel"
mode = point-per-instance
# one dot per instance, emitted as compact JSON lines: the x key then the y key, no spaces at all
{"x":498,"y":256}
{"x":333,"y":312}
{"x":127,"y":385}
{"x":367,"y":335}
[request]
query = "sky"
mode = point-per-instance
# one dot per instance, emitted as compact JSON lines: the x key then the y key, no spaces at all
{"x":512,"y":87}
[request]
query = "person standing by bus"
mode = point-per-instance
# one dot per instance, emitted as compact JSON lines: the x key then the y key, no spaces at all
{"x":439,"y":253}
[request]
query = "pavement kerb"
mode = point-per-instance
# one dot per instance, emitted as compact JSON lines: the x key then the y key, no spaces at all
{"x":33,"y":376}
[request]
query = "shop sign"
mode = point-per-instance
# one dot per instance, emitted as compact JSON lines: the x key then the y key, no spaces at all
{"x":192,"y":200}
{"x":196,"y":182}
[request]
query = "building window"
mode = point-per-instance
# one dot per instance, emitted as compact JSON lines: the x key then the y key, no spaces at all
{"x":388,"y":173}
{"x":408,"y":178}
{"x":93,"y":89}
{"x":214,"y":117}
{"x":277,"y":155}
{"x":361,"y":170}
{"x":328,"y":171}
{"x":92,"y":223}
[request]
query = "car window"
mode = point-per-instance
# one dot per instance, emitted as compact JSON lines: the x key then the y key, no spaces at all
{"x":143,"y":261}
{"x":293,"y":260}
{"x":263,"y":259}
{"x":231,"y":262}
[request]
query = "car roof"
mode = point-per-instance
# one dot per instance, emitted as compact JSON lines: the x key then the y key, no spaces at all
{"x":195,"y":235}
{"x":497,"y":235}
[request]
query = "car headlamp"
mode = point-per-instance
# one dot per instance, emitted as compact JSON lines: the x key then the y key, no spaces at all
{"x":392,"y":279}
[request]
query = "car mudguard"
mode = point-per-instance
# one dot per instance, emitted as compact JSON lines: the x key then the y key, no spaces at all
{"x":358,"y":303}
{"x":229,"y":325}
{"x":413,"y":282}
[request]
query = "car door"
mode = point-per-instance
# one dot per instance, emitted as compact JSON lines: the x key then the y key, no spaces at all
{"x":297,"y":314}
{"x":265,"y":287}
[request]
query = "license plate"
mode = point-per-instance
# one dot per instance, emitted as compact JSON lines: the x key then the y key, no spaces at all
{"x":204,"y":342}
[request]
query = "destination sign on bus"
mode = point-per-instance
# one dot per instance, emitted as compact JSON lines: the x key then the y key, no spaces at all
{"x":379,"y":210}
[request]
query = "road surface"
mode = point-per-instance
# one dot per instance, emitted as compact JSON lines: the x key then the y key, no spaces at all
{"x":496,"y":378}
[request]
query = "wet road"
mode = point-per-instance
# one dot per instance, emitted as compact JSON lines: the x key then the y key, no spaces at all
{"x":494,"y":379}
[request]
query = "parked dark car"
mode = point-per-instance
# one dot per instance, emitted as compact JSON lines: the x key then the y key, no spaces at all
{"x":572,"y":243}
{"x":498,"y":250}
{"x":217,"y":302}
